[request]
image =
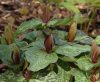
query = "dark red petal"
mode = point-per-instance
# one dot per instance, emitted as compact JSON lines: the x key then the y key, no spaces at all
{"x":27,"y":74}
{"x":16,"y":55}
{"x":94,"y":52}
{"x":95,"y":57}
{"x":48,"y":43}
{"x":16,"y":58}
{"x":46,"y":15}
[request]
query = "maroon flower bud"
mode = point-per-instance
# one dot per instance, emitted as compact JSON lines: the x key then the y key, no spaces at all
{"x":48,"y":43}
{"x":94,"y":52}
{"x":27,"y":74}
{"x":46,"y":14}
{"x":16,"y":55}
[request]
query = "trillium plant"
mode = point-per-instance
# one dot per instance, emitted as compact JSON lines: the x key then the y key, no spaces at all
{"x":39,"y":52}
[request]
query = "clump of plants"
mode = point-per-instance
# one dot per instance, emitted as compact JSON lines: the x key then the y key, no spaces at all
{"x":38,"y":52}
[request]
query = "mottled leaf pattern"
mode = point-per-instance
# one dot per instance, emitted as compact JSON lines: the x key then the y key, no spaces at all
{"x":72,"y":50}
{"x":39,"y":59}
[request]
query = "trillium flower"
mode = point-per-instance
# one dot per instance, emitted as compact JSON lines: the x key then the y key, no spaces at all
{"x":46,"y":14}
{"x":72,"y":32}
{"x":8,"y":34}
{"x":95,"y":51}
{"x":16,"y":55}
{"x":48,"y":43}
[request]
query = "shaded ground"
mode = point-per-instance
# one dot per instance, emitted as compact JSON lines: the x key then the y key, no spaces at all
{"x":18,"y":11}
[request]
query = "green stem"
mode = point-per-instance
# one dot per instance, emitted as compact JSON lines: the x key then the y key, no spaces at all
{"x":51,"y":67}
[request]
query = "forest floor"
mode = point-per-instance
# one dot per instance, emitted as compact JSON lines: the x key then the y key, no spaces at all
{"x":18,"y":11}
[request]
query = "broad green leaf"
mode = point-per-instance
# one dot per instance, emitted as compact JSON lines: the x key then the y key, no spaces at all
{"x":76,"y":1}
{"x":84,"y":63}
{"x":59,"y":41}
{"x":51,"y":77}
{"x":70,"y":7}
{"x":65,"y":21}
{"x":72,"y":50}
{"x":68,"y":59}
{"x":59,"y":37}
{"x":21,"y":44}
{"x":81,"y":37}
{"x":78,"y":17}
{"x":9,"y":76}
{"x":59,"y":34}
{"x":52,"y":22}
{"x":98,"y":39}
{"x":28,"y":25}
{"x":30,"y":36}
{"x":5,"y":54}
{"x":63,"y":76}
{"x":84,"y":39}
{"x":39,"y":59}
{"x":58,"y":22}
{"x":79,"y":75}
{"x":38,"y":44}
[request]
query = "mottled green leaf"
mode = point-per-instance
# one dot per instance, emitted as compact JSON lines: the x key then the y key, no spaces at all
{"x":51,"y":77}
{"x":52,"y":22}
{"x":70,"y":7}
{"x":72,"y":50}
{"x":9,"y":76}
{"x":59,"y":37}
{"x":58,"y":22}
{"x":21,"y":43}
{"x":81,"y":37}
{"x":98,"y":39}
{"x":28,"y":25}
{"x":30,"y":36}
{"x":84,"y":63}
{"x":63,"y":76}
{"x":59,"y":34}
{"x":79,"y":75}
{"x":39,"y":59}
{"x":68,"y":59}
{"x":5,"y":54}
